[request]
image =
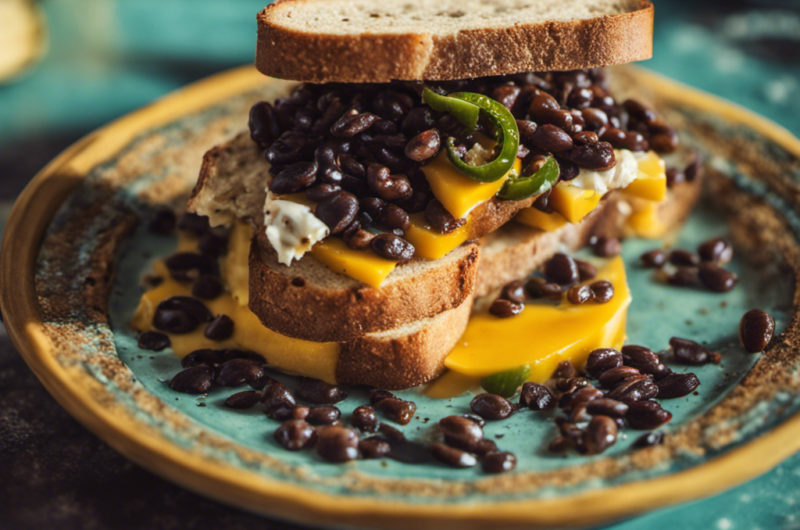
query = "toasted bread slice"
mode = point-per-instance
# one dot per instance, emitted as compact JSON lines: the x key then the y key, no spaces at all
{"x":367,"y":41}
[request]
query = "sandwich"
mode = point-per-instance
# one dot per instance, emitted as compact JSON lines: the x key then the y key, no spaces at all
{"x":379,"y":220}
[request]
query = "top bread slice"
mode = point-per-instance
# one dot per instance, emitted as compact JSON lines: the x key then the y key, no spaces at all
{"x":367,"y":41}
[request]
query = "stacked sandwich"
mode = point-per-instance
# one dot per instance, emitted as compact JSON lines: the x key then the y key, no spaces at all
{"x":428,"y":154}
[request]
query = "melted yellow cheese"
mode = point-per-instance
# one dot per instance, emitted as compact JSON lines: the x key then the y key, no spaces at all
{"x":651,"y":184}
{"x":645,"y":220}
{"x":363,"y":265}
{"x":538,"y":219}
{"x":295,"y":356}
{"x":235,"y":267}
{"x":458,"y":193}
{"x":543,"y":335}
{"x":574,"y":203}
{"x":431,"y":244}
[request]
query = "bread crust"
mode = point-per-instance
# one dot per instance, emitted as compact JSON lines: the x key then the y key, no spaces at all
{"x":287,"y":53}
{"x":295,"y":307}
{"x":403,"y":362}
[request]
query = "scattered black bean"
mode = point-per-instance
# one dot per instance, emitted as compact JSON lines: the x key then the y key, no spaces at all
{"x":716,"y":250}
{"x":717,"y":279}
{"x":491,"y":407}
{"x":601,"y":360}
{"x":461,"y":432}
{"x":683,"y":258}
{"x":207,"y":287}
{"x":295,"y":435}
{"x":654,"y":259}
{"x":755,"y":330}
{"x":323,"y":415}
{"x":600,"y":434}
{"x":153,"y":340}
{"x":686,"y":351}
{"x":392,"y":247}
{"x":586,"y":271}
{"x":677,"y":385}
{"x":365,"y":419}
{"x":607,"y":407}
{"x":643,"y":359}
{"x":237,"y":372}
{"x":513,"y":291}
{"x":580,"y":294}
{"x":606,"y":247}
{"x":451,"y":456}
{"x":649,"y":439}
{"x":194,"y":380}
{"x":243,"y":400}
{"x":505,"y":308}
{"x":397,"y":410}
{"x":633,"y":389}
{"x":499,"y":462}
{"x":221,"y":328}
{"x":278,"y":401}
{"x":180,"y":314}
{"x":561,"y":269}
{"x":536,"y":396}
{"x":684,"y":277}
{"x":602,"y":291}
{"x":373,"y":447}
{"x":647,"y":415}
{"x":611,"y":378}
{"x":539,"y":288}
{"x":319,"y":392}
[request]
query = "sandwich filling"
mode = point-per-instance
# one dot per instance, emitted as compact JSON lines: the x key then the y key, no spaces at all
{"x":405,"y":170}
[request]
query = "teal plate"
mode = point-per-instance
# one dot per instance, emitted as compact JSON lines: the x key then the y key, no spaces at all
{"x":76,"y":246}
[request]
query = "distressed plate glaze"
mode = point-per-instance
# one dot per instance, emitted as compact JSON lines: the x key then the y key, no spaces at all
{"x":75,"y":247}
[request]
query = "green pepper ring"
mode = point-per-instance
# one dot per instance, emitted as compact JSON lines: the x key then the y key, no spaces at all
{"x":517,"y":188}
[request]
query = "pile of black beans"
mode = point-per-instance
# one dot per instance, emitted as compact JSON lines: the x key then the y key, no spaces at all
{"x":356,"y":149}
{"x":705,"y":268}
{"x":560,"y":272}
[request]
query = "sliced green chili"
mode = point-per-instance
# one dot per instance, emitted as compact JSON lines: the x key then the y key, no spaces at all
{"x":506,"y":383}
{"x":517,"y":188}
{"x":466,"y":107}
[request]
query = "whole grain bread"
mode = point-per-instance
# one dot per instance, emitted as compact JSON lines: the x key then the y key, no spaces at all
{"x":367,"y":41}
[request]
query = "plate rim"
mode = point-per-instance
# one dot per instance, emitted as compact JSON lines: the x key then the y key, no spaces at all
{"x":33,"y":212}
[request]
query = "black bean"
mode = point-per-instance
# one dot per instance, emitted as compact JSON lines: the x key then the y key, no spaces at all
{"x":663,"y":139}
{"x":461,"y":432}
{"x":513,"y":291}
{"x":485,"y":447}
{"x":356,"y":238}
{"x":295,"y":435}
{"x":568,"y":170}
{"x":631,"y":140}
{"x":352,"y":123}
{"x":323,"y":415}
{"x":326,"y":157}
{"x":278,"y":400}
{"x":564,"y":370}
{"x":505,"y":308}
{"x":294,"y":178}
{"x":238,"y":372}
{"x":580,"y":294}
{"x":687,"y":351}
{"x":499,"y":462}
{"x":597,"y":157}
{"x":683,"y":258}
{"x":392,"y":247}
{"x":188,"y":266}
{"x":418,"y":120}
{"x":387,"y":186}
{"x":643,"y":359}
{"x":373,"y":447}
{"x":440,"y":219}
{"x":579,"y":396}
{"x":221,"y":328}
{"x":550,"y":138}
{"x":207,"y":287}
{"x":539,"y":288}
{"x":395,"y":217}
{"x":321,"y":192}
{"x":586,"y":271}
{"x":536,"y":396}
{"x":180,"y":314}
{"x":506,"y":95}
{"x":319,"y":392}
{"x":491,"y":407}
{"x":337,"y":444}
{"x":585,"y":138}
{"x":194,"y":380}
{"x":602,"y":360}
{"x":600,"y":434}
{"x":288,"y":148}
{"x":674,"y":176}
{"x":162,"y":221}
{"x":647,"y":415}
{"x":300,"y":412}
{"x":397,"y":410}
{"x":194,"y":223}
{"x":633,"y":389}
{"x":717,"y":279}
{"x":755,"y":330}
{"x":677,"y":385}
{"x":654,"y":259}
{"x":603,"y":291}
{"x":475,"y":419}
{"x":684,"y":277}
{"x":243,"y":400}
{"x":611,"y":378}
{"x":716,"y":250}
{"x":263,"y":124}
{"x":205,"y":356}
{"x":649,"y":439}
{"x":365,"y":418}
{"x":526,"y":129}
{"x":423,"y":146}
{"x":392,"y":105}
{"x":338,"y":211}
{"x":568,"y":384}
{"x":451,"y":456}
{"x":580,"y":98}
{"x":153,"y":340}
{"x":596,"y":120}
{"x":561,"y":269}
{"x":606,"y":247}
{"x":379,"y":395}
{"x":607,"y":407}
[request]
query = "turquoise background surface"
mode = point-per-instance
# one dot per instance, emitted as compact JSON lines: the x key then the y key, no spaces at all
{"x":106,"y":58}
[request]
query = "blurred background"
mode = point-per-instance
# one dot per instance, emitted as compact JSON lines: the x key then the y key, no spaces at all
{"x":69,"y":66}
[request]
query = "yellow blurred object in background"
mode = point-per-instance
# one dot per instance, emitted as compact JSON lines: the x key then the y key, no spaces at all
{"x":22,"y":36}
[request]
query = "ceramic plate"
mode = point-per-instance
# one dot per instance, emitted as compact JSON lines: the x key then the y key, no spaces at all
{"x":76,"y":245}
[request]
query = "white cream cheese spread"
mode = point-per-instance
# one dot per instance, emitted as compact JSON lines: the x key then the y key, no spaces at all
{"x":291,"y":227}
